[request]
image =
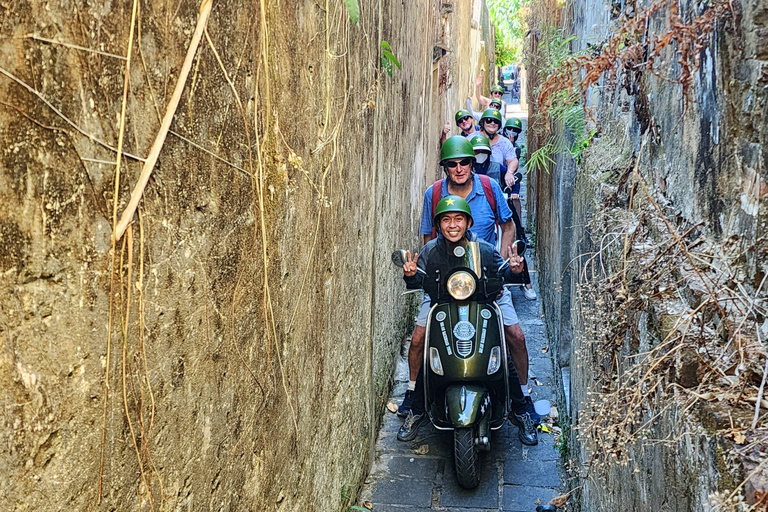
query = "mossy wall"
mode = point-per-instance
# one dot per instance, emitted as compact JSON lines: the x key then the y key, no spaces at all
{"x":233,"y":350}
{"x":641,"y":244}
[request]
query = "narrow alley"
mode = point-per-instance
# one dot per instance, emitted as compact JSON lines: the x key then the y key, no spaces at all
{"x":419,"y":475}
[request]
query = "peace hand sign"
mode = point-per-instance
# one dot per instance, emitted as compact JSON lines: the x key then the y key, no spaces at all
{"x":409,"y":267}
{"x":515,"y":261}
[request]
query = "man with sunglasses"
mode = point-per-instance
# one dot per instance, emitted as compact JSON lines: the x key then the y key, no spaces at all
{"x":466,"y":124}
{"x":489,"y":208}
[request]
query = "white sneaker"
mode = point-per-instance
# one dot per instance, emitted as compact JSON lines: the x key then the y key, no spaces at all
{"x":530,"y":293}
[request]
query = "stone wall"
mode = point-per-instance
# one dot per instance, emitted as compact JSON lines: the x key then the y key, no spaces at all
{"x":251,"y":308}
{"x":703,"y":164}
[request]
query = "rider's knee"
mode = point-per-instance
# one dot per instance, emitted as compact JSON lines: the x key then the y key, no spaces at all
{"x":418,"y":337}
{"x":514,"y":334}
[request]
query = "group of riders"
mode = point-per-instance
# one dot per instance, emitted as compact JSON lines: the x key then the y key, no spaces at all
{"x":481,"y":166}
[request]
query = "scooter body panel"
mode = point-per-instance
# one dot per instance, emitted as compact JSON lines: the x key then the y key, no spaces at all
{"x":465,"y":335}
{"x":465,"y":403}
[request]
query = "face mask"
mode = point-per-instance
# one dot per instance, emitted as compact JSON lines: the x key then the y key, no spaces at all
{"x":481,"y":158}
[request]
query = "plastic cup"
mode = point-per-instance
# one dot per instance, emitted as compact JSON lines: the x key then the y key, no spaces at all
{"x":542,"y":407}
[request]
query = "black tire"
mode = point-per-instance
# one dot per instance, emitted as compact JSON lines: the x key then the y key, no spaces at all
{"x":466,"y":457}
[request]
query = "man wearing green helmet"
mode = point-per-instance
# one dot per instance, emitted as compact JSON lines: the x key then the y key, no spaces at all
{"x":464,"y":121}
{"x":496,"y":92}
{"x":452,"y":218}
{"x":489,"y":209}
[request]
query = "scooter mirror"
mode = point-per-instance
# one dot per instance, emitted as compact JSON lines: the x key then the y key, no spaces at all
{"x":520,"y":247}
{"x":399,"y":257}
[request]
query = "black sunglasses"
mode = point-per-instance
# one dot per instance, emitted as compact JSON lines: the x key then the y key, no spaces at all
{"x":451,"y":163}
{"x":464,"y":119}
{"x":491,"y":120}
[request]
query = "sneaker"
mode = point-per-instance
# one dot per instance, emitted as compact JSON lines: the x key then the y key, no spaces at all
{"x":531,"y":410}
{"x":529,"y":293}
{"x":405,"y":407}
{"x":526,"y":430}
{"x":411,"y":426}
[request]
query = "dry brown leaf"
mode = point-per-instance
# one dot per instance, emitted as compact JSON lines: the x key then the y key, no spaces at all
{"x":368,"y":505}
{"x":538,"y":501}
{"x":739,"y":438}
{"x":422,"y":450}
{"x":544,"y":350}
{"x":392,"y":406}
{"x":559,"y":501}
{"x":753,"y":400}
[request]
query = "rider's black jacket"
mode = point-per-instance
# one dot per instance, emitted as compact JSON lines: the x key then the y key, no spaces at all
{"x":436,"y":264}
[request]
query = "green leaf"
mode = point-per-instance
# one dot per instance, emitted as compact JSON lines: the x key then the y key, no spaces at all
{"x":353,"y":10}
{"x":386,"y":46}
{"x":386,"y":64}
{"x":391,"y":57}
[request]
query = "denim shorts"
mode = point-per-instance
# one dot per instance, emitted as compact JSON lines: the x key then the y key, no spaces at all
{"x":509,"y":316}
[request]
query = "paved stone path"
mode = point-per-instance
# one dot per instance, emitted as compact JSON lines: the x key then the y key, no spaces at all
{"x":419,"y":475}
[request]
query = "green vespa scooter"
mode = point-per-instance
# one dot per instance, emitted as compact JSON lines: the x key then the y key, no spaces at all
{"x":466,"y":375}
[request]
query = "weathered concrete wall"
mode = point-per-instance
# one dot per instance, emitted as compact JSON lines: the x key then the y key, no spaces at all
{"x":706,"y":169}
{"x":254,"y":311}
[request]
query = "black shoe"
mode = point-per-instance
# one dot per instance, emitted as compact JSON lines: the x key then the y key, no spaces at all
{"x":405,"y":407}
{"x":531,"y":410}
{"x":410,"y":426}
{"x":526,"y":430}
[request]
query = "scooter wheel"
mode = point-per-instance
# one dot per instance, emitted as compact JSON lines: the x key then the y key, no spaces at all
{"x":466,"y":457}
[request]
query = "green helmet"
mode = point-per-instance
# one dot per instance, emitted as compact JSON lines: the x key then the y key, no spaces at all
{"x":495,"y":101}
{"x":491,"y":113}
{"x":515,"y":124}
{"x":497,"y":88}
{"x":456,"y":147}
{"x":480,"y":142}
{"x":450,"y":204}
{"x":461,"y":114}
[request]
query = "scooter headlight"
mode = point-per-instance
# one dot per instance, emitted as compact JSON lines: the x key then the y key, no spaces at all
{"x":461,"y":285}
{"x":434,"y":361}
{"x":494,"y":361}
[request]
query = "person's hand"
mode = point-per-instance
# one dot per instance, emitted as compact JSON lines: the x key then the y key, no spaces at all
{"x":514,"y":196}
{"x":479,"y":80}
{"x":409,"y":267}
{"x":447,"y":129}
{"x":515,"y":261}
{"x":509,"y":179}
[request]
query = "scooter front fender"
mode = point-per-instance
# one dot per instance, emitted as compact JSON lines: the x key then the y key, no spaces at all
{"x":464,"y":403}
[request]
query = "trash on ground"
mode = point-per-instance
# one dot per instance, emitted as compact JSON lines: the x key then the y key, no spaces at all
{"x":391,"y":406}
{"x":542,"y":407}
{"x":559,"y":501}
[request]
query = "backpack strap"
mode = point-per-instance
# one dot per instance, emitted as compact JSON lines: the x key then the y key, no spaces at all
{"x":437,"y":189}
{"x":489,"y":196}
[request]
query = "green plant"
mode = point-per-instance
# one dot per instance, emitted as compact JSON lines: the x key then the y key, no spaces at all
{"x":353,"y":10}
{"x":388,"y":59}
{"x":561,"y":445}
{"x":508,"y":18}
{"x":345,"y":493}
